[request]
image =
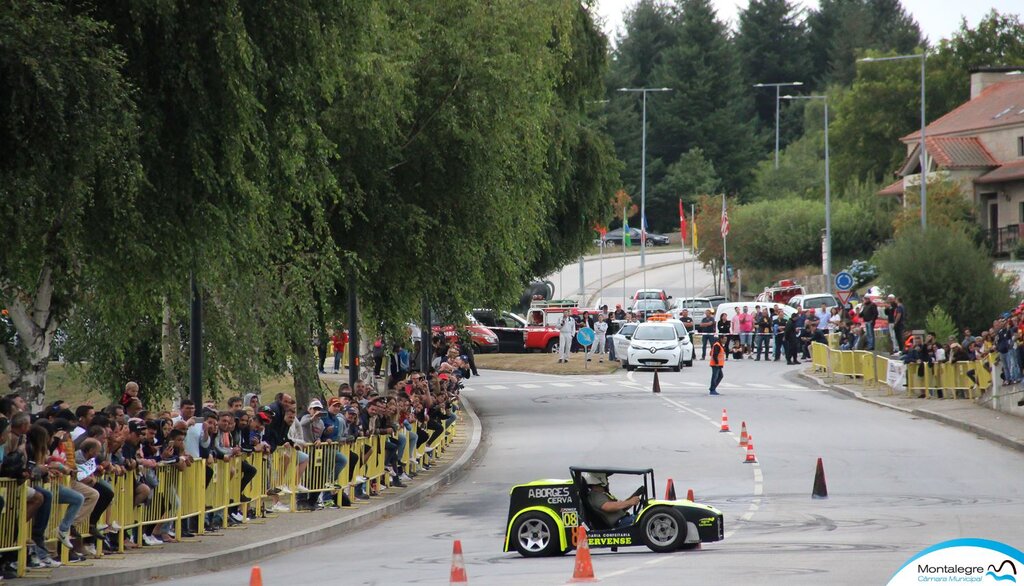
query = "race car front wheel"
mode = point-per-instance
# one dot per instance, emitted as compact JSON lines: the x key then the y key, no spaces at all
{"x":663,"y":529}
{"x":535,"y":535}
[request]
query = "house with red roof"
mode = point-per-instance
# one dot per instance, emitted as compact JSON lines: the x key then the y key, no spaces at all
{"x":979,"y":145}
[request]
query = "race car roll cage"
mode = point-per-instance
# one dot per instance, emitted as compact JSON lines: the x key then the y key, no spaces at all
{"x":589,"y":516}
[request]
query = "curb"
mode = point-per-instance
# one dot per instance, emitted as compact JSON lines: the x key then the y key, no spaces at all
{"x":995,"y":436}
{"x":238,"y":556}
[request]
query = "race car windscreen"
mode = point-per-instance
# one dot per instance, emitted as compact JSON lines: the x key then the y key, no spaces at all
{"x":649,"y":304}
{"x":655,"y":333}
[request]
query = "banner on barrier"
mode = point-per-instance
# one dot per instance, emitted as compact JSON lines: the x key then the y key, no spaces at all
{"x":896,"y":375}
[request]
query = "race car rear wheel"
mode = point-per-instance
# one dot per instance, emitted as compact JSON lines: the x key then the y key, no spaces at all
{"x":663,"y":529}
{"x":535,"y":535}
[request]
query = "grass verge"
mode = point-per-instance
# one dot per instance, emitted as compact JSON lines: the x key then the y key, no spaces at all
{"x":543,"y":363}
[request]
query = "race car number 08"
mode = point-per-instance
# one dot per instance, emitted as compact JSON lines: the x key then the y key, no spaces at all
{"x":570,"y":518}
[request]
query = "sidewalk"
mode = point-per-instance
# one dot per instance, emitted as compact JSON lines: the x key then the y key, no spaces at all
{"x":256,"y":540}
{"x":965,"y":414}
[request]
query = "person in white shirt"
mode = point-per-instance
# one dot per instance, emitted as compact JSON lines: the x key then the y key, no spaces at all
{"x":600,"y":330}
{"x":566,"y":331}
{"x":84,"y":413}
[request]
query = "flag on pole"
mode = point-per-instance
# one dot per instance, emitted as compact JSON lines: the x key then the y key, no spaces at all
{"x":725,"y":219}
{"x":682,"y":222}
{"x":627,"y":239}
{"x":643,"y":230}
{"x":693,"y":216}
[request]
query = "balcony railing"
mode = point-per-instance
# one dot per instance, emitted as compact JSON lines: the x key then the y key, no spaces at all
{"x":1003,"y":241}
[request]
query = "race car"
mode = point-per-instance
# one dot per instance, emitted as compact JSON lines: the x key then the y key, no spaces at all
{"x":543,"y":516}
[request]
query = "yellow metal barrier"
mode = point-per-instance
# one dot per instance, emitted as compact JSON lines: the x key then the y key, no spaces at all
{"x":820,"y":356}
{"x":182,"y":493}
{"x":14,"y":526}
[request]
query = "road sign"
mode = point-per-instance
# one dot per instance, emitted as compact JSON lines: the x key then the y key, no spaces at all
{"x":585,"y":336}
{"x":844,"y":295}
{"x":844,"y":281}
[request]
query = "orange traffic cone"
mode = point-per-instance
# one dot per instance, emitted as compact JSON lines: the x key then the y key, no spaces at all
{"x":725,"y":421}
{"x":751,"y":457}
{"x":820,"y":491}
{"x":256,"y":577}
{"x":657,"y":385}
{"x":689,"y":495}
{"x":670,"y":490}
{"x":458,"y":565}
{"x":584,"y":570}
{"x":743,"y":435}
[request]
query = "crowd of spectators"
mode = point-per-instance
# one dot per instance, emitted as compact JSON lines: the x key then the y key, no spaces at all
{"x":74,"y":451}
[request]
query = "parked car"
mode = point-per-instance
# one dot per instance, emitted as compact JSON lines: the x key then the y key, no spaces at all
{"x":782,"y":292}
{"x":651,"y":294}
{"x":716,"y":300}
{"x":483,"y":338}
{"x":696,"y":305}
{"x":646,"y":307}
{"x":515,"y":334}
{"x":614,"y":238}
{"x":813,"y":301}
{"x":621,"y":339}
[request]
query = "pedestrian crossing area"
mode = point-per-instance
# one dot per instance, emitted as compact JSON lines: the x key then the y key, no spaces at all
{"x":645,"y":384}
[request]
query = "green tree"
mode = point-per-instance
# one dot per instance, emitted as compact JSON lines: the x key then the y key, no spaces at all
{"x":840,"y":29}
{"x":68,"y":178}
{"x":710,"y":105}
{"x":690,"y":176}
{"x":801,"y":171}
{"x":939,"y":322}
{"x":772,"y":44}
{"x":955,"y":274}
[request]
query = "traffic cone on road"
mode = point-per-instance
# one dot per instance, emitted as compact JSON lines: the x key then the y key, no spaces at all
{"x":256,"y":577}
{"x":689,"y":495}
{"x":743,"y":435}
{"x":584,"y":570}
{"x":820,"y":491}
{"x":751,"y":457}
{"x":725,"y":421}
{"x":458,"y":575}
{"x":657,"y":385}
{"x":670,"y":490}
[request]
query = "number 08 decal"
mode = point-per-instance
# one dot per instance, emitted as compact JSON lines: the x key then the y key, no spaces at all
{"x":570,"y":518}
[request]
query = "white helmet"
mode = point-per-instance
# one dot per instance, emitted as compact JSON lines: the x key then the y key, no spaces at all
{"x":592,"y":478}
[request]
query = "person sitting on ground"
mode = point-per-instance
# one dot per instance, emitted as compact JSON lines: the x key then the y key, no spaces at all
{"x":612,"y":511}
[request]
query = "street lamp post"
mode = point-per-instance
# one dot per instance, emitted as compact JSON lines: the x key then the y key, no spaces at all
{"x":643,"y":172}
{"x":923,"y":153}
{"x":777,"y":86}
{"x":828,"y":195}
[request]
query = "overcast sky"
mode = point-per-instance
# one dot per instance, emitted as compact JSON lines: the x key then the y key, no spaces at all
{"x":937,"y":18}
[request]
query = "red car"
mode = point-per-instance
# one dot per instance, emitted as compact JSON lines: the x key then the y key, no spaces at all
{"x":484,"y":339}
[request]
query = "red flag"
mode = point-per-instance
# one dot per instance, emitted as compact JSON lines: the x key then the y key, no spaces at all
{"x":725,"y":219}
{"x":602,"y":230}
{"x":682,"y":222}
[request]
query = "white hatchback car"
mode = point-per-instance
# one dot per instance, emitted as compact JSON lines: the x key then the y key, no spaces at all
{"x":664,"y":344}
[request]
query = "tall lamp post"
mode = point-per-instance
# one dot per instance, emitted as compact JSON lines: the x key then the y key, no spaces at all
{"x":777,"y":86}
{"x":828,"y":194}
{"x":923,"y":153}
{"x":643,"y":172}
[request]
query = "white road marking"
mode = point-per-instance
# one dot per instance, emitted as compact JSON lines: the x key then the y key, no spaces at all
{"x":759,"y":386}
{"x":563,"y":385}
{"x":691,"y":384}
{"x":528,"y":386}
{"x":594,"y":383}
{"x":496,"y":387}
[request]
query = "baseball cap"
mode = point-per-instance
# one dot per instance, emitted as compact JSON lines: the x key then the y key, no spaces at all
{"x":316,"y":404}
{"x":136,"y":426}
{"x":264,"y":417}
{"x":333,"y":401}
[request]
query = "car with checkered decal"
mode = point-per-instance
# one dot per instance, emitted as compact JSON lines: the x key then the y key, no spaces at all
{"x":543,"y":516}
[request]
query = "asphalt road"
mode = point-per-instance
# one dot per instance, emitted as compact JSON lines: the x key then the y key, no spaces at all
{"x":896,"y":485}
{"x":567,"y":280}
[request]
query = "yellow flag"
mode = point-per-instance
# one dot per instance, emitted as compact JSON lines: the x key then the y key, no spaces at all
{"x":695,"y":234}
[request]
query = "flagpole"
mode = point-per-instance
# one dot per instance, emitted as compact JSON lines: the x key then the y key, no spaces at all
{"x":682,"y":240}
{"x":625,"y":224}
{"x":693,"y":251}
{"x":600,"y":261}
{"x":725,"y":255}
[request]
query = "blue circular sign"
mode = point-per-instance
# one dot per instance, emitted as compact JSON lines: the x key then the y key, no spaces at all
{"x":844,"y":281}
{"x":585,"y":336}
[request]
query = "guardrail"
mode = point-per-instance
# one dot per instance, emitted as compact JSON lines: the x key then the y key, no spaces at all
{"x":183,"y":493}
{"x":944,"y":380}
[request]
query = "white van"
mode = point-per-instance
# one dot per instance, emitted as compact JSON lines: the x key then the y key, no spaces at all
{"x":729,"y":309}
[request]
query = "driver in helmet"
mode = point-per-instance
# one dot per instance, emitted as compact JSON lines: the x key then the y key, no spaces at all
{"x":604,"y":504}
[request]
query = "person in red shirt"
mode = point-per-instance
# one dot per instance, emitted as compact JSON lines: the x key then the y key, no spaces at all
{"x":338,"y":341}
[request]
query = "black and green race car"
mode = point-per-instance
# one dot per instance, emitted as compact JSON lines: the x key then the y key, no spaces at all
{"x":543,"y":516}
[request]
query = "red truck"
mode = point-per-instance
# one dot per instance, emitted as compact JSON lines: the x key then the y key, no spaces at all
{"x":515,"y":334}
